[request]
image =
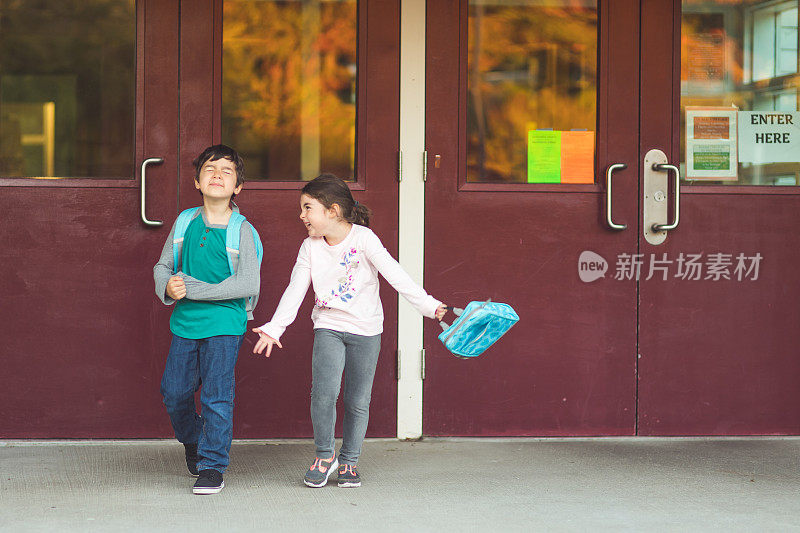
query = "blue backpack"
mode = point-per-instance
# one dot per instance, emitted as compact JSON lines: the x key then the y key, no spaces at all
{"x":477,"y":327}
{"x":232,"y":236}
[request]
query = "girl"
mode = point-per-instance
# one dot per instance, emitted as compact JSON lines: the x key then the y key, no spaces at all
{"x":341,"y":258}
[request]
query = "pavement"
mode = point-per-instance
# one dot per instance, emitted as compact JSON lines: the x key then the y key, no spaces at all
{"x":442,"y":485}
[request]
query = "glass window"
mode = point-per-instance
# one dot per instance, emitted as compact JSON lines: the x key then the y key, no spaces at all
{"x":67,"y":88}
{"x":740,"y":56}
{"x":289,"y":86}
{"x":531,"y":91}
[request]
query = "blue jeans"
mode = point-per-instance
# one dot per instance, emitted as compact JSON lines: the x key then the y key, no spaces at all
{"x":337,"y":352}
{"x":210,"y":362}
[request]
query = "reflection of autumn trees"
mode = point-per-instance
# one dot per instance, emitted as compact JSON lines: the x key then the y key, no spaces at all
{"x":529,"y":67}
{"x":289,"y":83}
{"x":80,"y":55}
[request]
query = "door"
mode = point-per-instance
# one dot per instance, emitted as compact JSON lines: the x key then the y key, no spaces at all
{"x":683,"y":331}
{"x":83,"y":334}
{"x":88,"y":91}
{"x":298,"y":88}
{"x":500,"y":78}
{"x":719,"y":353}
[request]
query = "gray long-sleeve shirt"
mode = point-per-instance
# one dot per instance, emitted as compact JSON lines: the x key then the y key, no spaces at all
{"x":245,"y":283}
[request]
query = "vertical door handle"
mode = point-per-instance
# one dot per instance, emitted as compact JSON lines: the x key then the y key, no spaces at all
{"x":609,"y":172}
{"x":666,"y":167}
{"x":148,"y":161}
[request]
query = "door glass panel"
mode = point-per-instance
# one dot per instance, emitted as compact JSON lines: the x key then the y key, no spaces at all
{"x":739,"y":92}
{"x":67,"y":88}
{"x":289,"y":86}
{"x":531,"y":91}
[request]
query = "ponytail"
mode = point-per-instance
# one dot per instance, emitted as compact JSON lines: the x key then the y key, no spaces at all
{"x":359,"y":214}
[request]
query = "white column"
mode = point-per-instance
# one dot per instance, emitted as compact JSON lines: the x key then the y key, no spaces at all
{"x":412,"y":213}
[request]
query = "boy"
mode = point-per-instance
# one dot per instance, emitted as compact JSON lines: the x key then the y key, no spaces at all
{"x":210,"y":316}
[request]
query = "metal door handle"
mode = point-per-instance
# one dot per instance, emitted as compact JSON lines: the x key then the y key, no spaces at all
{"x":660,"y":167}
{"x":148,"y":161}
{"x":609,"y":172}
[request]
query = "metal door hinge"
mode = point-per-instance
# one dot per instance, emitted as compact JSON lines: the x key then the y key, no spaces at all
{"x":400,"y":166}
{"x":423,"y":365}
{"x":398,"y":365}
{"x":425,"y":166}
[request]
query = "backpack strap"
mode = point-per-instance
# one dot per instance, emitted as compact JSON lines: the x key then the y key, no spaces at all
{"x":259,"y":245}
{"x":232,"y":242}
{"x":232,"y":236}
{"x":181,"y":225}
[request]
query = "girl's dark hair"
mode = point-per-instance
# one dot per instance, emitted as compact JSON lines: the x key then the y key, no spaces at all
{"x":219,"y":151}
{"x":327,"y":189}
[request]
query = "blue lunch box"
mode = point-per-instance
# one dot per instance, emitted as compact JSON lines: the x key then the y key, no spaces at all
{"x":478,"y":326}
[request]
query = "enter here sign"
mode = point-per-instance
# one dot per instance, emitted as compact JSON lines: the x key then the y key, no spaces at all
{"x":769,"y":136}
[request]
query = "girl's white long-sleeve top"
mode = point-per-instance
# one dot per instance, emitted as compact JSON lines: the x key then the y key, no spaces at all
{"x":345,"y":281}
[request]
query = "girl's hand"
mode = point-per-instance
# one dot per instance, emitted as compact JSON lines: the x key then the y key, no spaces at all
{"x":440,"y":311}
{"x":264,"y":341}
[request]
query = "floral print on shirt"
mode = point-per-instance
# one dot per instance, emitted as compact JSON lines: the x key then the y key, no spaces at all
{"x":345,"y":290}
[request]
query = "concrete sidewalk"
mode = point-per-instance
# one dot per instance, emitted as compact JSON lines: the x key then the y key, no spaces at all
{"x":631,"y":484}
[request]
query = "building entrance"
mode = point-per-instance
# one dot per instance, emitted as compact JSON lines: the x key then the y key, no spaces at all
{"x":652,"y":306}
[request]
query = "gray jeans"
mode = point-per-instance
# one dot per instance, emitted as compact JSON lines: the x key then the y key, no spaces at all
{"x":336,"y":352}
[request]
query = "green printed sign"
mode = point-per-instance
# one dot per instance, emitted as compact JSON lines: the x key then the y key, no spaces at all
{"x":544,"y":156}
{"x":712,"y":158}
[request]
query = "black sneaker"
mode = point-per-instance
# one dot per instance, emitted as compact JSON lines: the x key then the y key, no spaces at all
{"x":318,"y":474}
{"x":209,"y":482}
{"x":192,"y":458}
{"x":348,"y":476}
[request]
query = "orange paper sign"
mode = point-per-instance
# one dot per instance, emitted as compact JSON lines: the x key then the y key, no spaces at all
{"x":711,"y":127}
{"x":577,"y":157}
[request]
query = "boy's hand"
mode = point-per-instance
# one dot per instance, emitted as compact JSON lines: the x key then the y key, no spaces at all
{"x":264,"y":341}
{"x":176,"y":289}
{"x":440,"y":311}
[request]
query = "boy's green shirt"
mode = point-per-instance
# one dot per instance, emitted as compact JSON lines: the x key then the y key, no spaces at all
{"x":205,"y":258}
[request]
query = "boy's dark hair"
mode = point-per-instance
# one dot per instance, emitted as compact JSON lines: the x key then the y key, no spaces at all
{"x":219,"y":151}
{"x":327,"y":189}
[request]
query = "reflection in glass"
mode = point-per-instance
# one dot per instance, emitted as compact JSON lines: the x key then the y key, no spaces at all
{"x":742,"y":54}
{"x":289,"y":86}
{"x":532,"y":65}
{"x":67,"y":88}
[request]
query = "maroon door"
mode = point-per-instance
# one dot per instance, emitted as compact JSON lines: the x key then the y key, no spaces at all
{"x":84,"y":336}
{"x":656,"y":352}
{"x":569,"y":366}
{"x":273,"y":396}
{"x":78,"y":312}
{"x":719,"y":356}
